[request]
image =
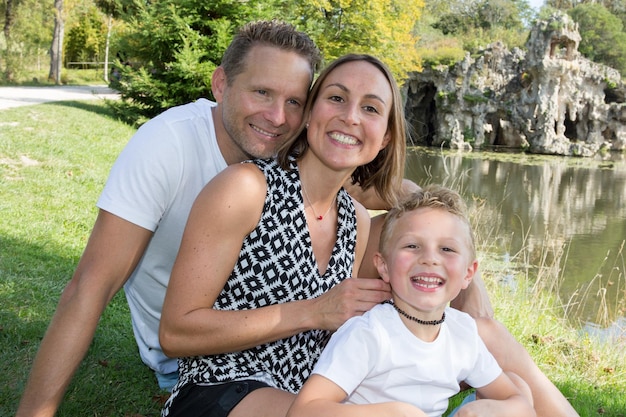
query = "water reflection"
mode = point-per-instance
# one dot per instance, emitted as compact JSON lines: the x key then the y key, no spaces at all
{"x":572,"y":209}
{"x":611,"y":333}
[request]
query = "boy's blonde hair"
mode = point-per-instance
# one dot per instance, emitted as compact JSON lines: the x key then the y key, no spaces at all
{"x":432,"y":196}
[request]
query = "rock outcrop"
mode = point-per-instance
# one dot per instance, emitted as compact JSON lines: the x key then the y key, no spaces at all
{"x":547,"y":100}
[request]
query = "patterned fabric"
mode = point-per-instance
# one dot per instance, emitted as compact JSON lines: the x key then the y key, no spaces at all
{"x":276,"y":265}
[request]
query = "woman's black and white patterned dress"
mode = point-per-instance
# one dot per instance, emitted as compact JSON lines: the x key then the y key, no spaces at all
{"x":276,"y":265}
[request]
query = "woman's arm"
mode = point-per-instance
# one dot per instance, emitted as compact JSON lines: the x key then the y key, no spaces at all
{"x":227,"y":209}
{"x":474,"y":300}
{"x":371,"y":200}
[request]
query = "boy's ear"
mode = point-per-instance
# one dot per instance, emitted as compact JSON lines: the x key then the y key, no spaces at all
{"x":471,"y":271}
{"x":381,"y":266}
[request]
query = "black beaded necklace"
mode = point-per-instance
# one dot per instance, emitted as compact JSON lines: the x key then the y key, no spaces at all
{"x":415,"y":319}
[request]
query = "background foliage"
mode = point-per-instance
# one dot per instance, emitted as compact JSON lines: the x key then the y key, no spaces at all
{"x":164,"y":51}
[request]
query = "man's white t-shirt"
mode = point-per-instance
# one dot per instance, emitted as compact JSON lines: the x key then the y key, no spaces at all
{"x":153,"y":184}
{"x":374,"y":358}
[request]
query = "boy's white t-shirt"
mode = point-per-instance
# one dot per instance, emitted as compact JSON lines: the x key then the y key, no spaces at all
{"x":153,"y":184}
{"x":374,"y":358}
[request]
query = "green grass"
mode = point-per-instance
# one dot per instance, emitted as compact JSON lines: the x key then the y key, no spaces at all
{"x":54,"y":160}
{"x":591,"y":375}
{"x":68,"y":76}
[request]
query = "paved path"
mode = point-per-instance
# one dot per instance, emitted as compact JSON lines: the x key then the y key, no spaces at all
{"x":24,"y":96}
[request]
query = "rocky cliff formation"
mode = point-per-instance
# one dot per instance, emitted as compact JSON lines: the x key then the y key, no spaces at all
{"x":547,"y":100}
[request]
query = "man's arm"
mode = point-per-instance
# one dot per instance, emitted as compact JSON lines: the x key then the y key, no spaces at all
{"x":514,"y":358}
{"x":371,"y":200}
{"x":114,"y":248}
{"x":474,"y":300}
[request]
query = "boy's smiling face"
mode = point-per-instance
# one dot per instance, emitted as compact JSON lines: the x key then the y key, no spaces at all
{"x":428,"y":261}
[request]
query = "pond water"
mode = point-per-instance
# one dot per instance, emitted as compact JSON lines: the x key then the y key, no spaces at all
{"x":543,"y":210}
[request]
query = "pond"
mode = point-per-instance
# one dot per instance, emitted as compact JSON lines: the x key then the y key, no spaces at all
{"x":543,"y":209}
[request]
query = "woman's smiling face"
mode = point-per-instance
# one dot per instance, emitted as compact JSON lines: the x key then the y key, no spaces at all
{"x":349,"y":120}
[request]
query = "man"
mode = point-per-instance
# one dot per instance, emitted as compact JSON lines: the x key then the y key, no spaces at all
{"x":260,"y":89}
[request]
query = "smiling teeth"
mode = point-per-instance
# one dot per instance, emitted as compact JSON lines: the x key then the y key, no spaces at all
{"x":428,"y":282}
{"x":345,"y":139}
{"x":264,"y":132}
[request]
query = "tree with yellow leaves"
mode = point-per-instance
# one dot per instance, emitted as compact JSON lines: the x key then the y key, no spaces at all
{"x":384,"y":28}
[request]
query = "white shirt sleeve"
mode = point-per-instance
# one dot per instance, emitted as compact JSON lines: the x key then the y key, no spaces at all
{"x":350,"y":354}
{"x":140,"y":185}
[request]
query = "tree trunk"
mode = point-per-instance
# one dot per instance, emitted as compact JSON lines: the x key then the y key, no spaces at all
{"x":9,"y":17}
{"x":106,"y":48}
{"x":56,"y":49}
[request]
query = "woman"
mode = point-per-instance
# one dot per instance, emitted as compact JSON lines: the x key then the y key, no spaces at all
{"x":260,"y":279}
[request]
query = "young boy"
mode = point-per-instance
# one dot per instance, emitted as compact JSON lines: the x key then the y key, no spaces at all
{"x":408,"y":357}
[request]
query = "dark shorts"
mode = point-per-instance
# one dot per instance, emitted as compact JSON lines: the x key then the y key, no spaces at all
{"x":211,"y":400}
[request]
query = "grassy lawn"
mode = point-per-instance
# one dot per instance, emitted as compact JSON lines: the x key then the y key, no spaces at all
{"x":68,"y":77}
{"x":54,"y":159}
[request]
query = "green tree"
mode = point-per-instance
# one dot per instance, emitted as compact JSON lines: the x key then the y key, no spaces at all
{"x":9,"y":23}
{"x":173,"y":48}
{"x":602,"y":36}
{"x":503,"y":13}
{"x":35,"y":20}
{"x":175,"y":45}
{"x":86,"y":37}
{"x":26,"y":36}
{"x":384,"y":28}
{"x":616,"y":7}
{"x":113,"y":9}
{"x":480,"y":22}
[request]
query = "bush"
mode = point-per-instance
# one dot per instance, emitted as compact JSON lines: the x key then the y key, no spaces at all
{"x":168,"y":57}
{"x":603,"y":39}
{"x":445,"y":51}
